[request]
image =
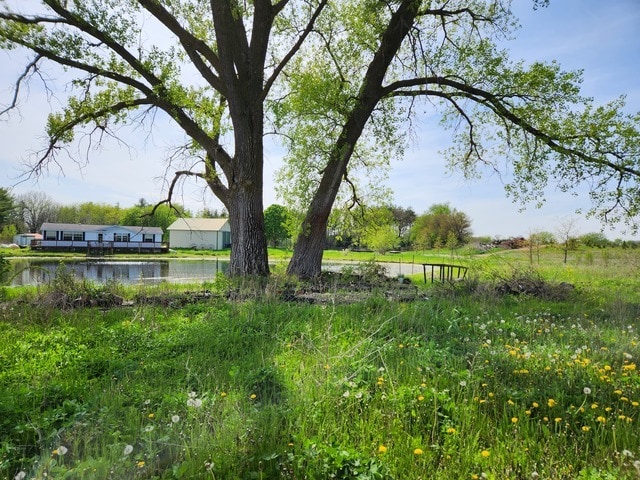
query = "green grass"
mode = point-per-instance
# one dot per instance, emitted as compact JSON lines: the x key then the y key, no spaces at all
{"x":467,"y":384}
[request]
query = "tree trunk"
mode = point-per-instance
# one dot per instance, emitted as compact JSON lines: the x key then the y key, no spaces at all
{"x":248,"y":243}
{"x":306,"y":261}
{"x":244,"y":196}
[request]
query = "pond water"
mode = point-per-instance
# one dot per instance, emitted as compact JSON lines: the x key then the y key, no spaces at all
{"x":34,"y":271}
{"x":37,"y":271}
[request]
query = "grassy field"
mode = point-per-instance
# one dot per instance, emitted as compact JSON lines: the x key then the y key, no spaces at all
{"x":469,"y":382}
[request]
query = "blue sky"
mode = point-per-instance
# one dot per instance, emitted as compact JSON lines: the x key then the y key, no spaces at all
{"x":601,"y":38}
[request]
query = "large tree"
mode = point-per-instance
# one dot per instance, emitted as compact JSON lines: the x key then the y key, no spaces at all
{"x":34,"y":209}
{"x":331,"y":71}
{"x":442,"y":56}
{"x":208,"y":65}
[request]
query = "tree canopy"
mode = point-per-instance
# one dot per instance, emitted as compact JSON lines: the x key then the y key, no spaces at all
{"x":276,"y":218}
{"x":441,"y":225}
{"x":340,"y":81}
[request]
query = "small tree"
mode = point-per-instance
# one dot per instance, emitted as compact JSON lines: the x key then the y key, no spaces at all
{"x":438,"y":223}
{"x":567,"y":230}
{"x":7,"y":207}
{"x":275,"y":225}
{"x":403,"y":219}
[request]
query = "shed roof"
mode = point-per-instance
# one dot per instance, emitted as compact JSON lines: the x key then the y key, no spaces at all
{"x":199,"y":224}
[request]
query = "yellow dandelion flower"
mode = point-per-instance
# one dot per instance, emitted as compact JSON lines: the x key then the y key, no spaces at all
{"x":535,"y":404}
{"x":382,"y":449}
{"x":514,"y":419}
{"x":485,"y":453}
{"x":618,"y":392}
{"x":511,"y":402}
{"x":474,"y":476}
{"x":608,"y":409}
{"x":140,"y":463}
{"x":253,"y":396}
{"x":418,"y":451}
{"x":451,"y":430}
{"x":420,"y":398}
{"x":601,"y":419}
{"x":223,"y":394}
{"x":635,"y":404}
{"x":551,"y":402}
{"x":557,"y":419}
{"x":528,"y":412}
{"x":152,"y":415}
{"x":594,"y":406}
{"x":586,"y":428}
{"x":629,"y":367}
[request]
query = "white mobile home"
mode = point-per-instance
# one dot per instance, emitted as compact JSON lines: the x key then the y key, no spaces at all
{"x":200,"y":233}
{"x":101,"y":238}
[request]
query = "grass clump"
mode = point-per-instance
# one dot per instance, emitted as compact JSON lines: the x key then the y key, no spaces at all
{"x":454,"y":386}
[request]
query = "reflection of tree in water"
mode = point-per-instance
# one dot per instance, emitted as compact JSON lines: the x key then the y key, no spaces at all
{"x":38,"y":271}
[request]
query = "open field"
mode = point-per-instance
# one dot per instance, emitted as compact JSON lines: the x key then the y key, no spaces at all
{"x":468,"y":382}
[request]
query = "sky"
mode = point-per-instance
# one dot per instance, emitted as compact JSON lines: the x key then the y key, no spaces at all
{"x":601,"y":38}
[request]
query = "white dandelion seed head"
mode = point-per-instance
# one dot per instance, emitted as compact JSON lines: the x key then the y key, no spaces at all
{"x":62,"y":450}
{"x":586,"y":390}
{"x":175,"y":418}
{"x":463,"y":383}
{"x":346,"y":394}
{"x":127,"y":450}
{"x":627,"y":453}
{"x":194,"y":402}
{"x":148,"y":428}
{"x":20,"y":475}
{"x":193,"y":394}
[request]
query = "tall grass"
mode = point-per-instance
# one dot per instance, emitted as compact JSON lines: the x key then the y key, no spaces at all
{"x":460,"y":386}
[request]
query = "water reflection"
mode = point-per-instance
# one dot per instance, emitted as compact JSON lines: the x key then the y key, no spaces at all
{"x":37,"y":271}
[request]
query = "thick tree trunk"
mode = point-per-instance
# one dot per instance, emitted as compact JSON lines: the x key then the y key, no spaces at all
{"x":244,"y":196}
{"x":306,"y":261}
{"x":248,"y":243}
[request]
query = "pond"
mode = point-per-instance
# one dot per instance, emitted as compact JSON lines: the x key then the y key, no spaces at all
{"x":34,"y":271}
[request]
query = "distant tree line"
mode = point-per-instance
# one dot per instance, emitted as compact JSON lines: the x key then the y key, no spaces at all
{"x":378,"y":228}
